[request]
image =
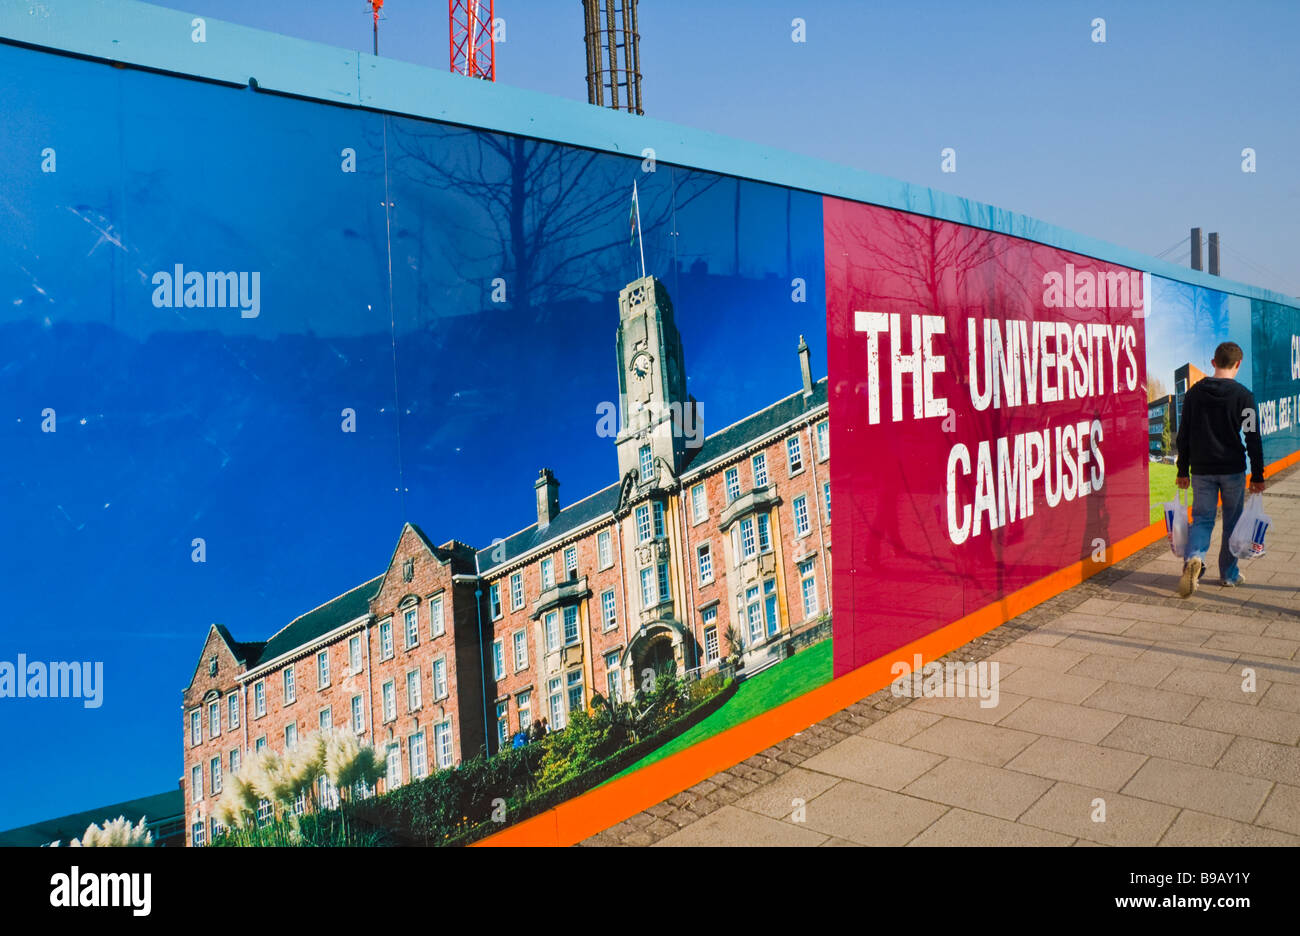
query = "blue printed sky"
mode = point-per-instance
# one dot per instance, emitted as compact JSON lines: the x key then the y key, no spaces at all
{"x":1133,"y":141}
{"x":177,"y":423}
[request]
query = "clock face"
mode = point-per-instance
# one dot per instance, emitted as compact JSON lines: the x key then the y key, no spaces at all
{"x":641,"y":366}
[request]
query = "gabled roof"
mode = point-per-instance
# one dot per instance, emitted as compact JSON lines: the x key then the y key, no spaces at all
{"x":752,"y":428}
{"x":332,"y":615}
{"x":566,"y":521}
{"x":428,"y":543}
{"x":156,"y":808}
{"x":317,"y":623}
{"x":444,"y":554}
{"x":246,"y":653}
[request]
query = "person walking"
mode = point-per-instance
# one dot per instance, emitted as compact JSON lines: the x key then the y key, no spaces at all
{"x":1217,"y":413}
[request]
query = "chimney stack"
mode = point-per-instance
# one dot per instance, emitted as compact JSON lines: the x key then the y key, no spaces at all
{"x":1196,"y":249}
{"x":548,"y":497}
{"x":1214,"y":253}
{"x":805,"y":367}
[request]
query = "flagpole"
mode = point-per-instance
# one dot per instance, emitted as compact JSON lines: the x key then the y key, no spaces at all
{"x":640,"y":242}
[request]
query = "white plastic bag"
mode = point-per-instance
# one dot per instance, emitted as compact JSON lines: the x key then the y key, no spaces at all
{"x":1247,"y":540}
{"x":1176,"y":522}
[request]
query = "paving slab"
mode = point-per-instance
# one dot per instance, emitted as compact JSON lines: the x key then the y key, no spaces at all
{"x":1230,"y":687}
{"x":777,"y":800}
{"x":1282,"y":696}
{"x":1249,"y":644}
{"x":1177,"y":634}
{"x":1252,"y":721}
{"x":985,"y":744}
{"x":1050,"y":658}
{"x":1125,"y":648}
{"x":1113,"y":669}
{"x":871,"y":816}
{"x":980,"y":788}
{"x":1144,"y":701}
{"x":1197,"y":829}
{"x":1161,"y":614}
{"x":971,"y":709}
{"x":1073,"y":722}
{"x":739,"y":828}
{"x":1058,"y":686}
{"x":1285,"y":630}
{"x":1093,"y":623}
{"x":897,"y":727}
{"x":1100,"y":816}
{"x":1208,"y":661}
{"x":1205,"y":789}
{"x":1270,"y":668}
{"x":877,"y":763}
{"x":1226,"y":623}
{"x":1265,"y":759}
{"x":1174,"y":742}
{"x":959,"y":827}
{"x":1045,"y":637}
{"x":1085,"y":764}
{"x":1282,"y":811}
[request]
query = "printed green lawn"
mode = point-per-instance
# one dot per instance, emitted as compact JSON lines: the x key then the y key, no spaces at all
{"x":1162,"y":487}
{"x":776,"y":685}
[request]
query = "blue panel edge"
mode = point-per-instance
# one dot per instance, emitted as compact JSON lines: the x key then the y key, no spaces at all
{"x":141,"y":34}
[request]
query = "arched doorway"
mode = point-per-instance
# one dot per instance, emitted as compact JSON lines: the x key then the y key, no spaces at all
{"x":658,"y":655}
{"x":655,"y":649}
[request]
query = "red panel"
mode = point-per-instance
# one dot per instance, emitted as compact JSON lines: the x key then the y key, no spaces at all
{"x":912,"y":549}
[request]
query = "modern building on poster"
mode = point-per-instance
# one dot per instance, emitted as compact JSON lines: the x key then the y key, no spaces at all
{"x":451,"y":648}
{"x":1170,"y":405}
{"x":1158,"y":410}
{"x":1184,"y":377}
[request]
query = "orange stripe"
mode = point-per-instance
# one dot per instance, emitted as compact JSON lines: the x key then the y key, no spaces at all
{"x":1281,"y":463}
{"x":598,"y":809}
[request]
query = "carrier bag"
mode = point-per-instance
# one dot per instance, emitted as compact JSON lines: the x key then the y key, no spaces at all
{"x":1247,"y":540}
{"x":1176,"y":522}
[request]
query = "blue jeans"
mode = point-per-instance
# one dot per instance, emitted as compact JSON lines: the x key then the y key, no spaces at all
{"x":1206,"y":491}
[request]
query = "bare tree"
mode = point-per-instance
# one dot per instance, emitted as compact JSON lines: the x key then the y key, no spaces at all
{"x":550,"y":218}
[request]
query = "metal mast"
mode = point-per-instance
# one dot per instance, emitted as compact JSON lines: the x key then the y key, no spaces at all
{"x":613,"y":54}
{"x":375,"y":7}
{"x":472,"y":50}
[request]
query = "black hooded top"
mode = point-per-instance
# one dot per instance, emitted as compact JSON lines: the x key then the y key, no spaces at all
{"x":1215,"y":411}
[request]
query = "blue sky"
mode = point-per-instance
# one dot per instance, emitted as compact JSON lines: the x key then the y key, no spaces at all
{"x":1134,"y":141}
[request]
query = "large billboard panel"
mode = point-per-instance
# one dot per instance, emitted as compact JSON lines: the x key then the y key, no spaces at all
{"x":320,"y":419}
{"x":987,"y":412}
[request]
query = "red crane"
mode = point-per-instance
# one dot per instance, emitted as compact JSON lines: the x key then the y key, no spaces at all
{"x":472,"y":49}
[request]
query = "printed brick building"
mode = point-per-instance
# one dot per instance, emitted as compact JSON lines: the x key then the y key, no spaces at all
{"x":696,"y":553}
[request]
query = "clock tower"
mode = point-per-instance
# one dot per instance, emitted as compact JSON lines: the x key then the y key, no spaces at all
{"x":654,"y":407}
